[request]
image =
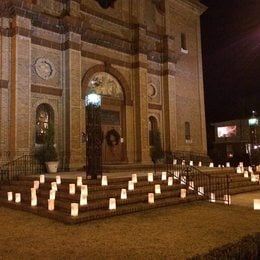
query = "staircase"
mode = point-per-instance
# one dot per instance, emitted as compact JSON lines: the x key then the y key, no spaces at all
{"x":98,"y":197}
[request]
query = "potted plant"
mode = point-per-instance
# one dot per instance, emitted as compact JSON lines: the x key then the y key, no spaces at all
{"x":47,"y":153}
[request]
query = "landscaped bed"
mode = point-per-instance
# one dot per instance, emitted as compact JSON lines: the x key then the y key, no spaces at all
{"x":175,"y":232}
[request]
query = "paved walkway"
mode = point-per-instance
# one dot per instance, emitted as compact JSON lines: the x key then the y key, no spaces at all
{"x":245,"y":199}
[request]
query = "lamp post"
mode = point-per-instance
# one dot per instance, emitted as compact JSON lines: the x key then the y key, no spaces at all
{"x":93,"y":132}
{"x":253,"y":123}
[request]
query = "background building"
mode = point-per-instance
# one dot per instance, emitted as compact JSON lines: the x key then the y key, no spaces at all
{"x":146,"y":55}
{"x":237,"y":141}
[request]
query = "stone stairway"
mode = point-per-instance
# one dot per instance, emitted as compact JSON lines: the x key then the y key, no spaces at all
{"x":98,"y":197}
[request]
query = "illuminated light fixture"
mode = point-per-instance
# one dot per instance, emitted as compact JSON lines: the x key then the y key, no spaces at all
{"x":42,"y":178}
{"x":183,"y":193}
{"x":17,"y":198}
{"x":164,"y":176}
{"x":83,"y":200}
{"x":219,"y":166}
{"x":33,"y":192}
{"x":134,"y":178}
{"x":51,"y":204}
{"x":170,"y":181}
{"x":200,"y":164}
{"x":79,"y":181}
{"x":9,"y":195}
{"x":131,"y":185}
{"x":200,"y":191}
{"x":72,"y":188}
{"x":227,"y":199}
{"x":183,"y":162}
{"x":157,"y":189}
{"x":191,"y":185}
{"x":246,"y":174}
{"x":84,"y":190}
{"x":123,"y":194}
{"x":212,"y":197}
{"x":52,"y":194}
{"x":191,"y":163}
{"x":34,"y":201}
{"x":183,"y":179}
{"x":150,"y":177}
{"x":150,"y":198}
{"x":112,"y":204}
{"x":174,"y":162}
{"x":211,"y":165}
{"x":54,"y":185}
{"x":176,"y":175}
{"x":250,"y":169}
{"x":104,"y":180}
{"x":228,"y":164}
{"x":36,"y":184}
{"x":256,"y":204}
{"x":58,"y":180}
{"x":74,"y":209}
{"x":254,"y":178}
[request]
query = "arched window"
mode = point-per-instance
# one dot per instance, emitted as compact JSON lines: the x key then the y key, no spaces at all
{"x":152,"y":125}
{"x":44,"y":116}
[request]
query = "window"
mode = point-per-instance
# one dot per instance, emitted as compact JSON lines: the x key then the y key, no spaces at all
{"x":187,"y":131}
{"x":183,"y":43}
{"x":152,"y":129}
{"x":44,"y":116}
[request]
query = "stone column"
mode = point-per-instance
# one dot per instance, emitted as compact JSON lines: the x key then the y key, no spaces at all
{"x":72,"y":100}
{"x":20,"y":87}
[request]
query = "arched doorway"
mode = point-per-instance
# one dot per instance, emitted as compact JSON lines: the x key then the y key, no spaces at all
{"x":112,"y":116}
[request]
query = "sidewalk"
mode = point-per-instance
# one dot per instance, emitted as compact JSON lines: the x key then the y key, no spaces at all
{"x":245,"y":199}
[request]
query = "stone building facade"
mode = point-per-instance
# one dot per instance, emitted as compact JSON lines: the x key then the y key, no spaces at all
{"x":146,"y":54}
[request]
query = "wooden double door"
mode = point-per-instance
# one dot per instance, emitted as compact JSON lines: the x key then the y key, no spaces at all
{"x":113,"y":147}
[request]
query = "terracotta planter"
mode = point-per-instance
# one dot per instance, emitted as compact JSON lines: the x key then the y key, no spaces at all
{"x":52,"y":167}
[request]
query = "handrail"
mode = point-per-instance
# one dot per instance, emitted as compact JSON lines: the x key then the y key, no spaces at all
{"x":193,"y":178}
{"x":22,"y":166}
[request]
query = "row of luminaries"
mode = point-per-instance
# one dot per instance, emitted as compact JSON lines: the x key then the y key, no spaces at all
{"x":104,"y":182}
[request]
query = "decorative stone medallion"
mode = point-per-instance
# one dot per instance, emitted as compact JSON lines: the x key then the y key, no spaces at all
{"x":44,"y":68}
{"x":152,"y":91}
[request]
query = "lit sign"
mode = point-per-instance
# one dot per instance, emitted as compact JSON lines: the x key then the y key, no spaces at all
{"x":227,"y":131}
{"x":253,"y":121}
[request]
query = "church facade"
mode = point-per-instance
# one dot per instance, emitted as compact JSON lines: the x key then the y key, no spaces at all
{"x":144,"y":54}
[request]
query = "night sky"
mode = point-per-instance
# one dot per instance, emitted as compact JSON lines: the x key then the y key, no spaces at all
{"x":231,"y":58}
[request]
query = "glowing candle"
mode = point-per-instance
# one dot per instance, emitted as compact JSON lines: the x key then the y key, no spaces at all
{"x":58,"y":180}
{"x":256,"y":204}
{"x":112,"y":204}
{"x":211,"y":165}
{"x":52,"y":194}
{"x":72,"y":188}
{"x":200,"y":164}
{"x":183,"y":179}
{"x":170,"y":181}
{"x":227,"y":199}
{"x":191,"y":163}
{"x":79,"y":181}
{"x":157,"y":189}
{"x":123,"y":194}
{"x":74,"y":209}
{"x":36,"y":184}
{"x":134,"y":178}
{"x":42,"y":178}
{"x":228,"y":164}
{"x":191,"y":185}
{"x":33,"y":192}
{"x":150,"y":198}
{"x":131,"y":185}
{"x":176,"y":175}
{"x":183,"y":193}
{"x":201,"y":191}
{"x":17,"y":197}
{"x":9,"y":195}
{"x":174,"y":162}
{"x":84,"y":190}
{"x":83,"y":199}
{"x":34,"y":201}
{"x":164,"y":176}
{"x":150,"y":177}
{"x":212,"y":197}
{"x":54,"y":186}
{"x":104,"y":181}
{"x":51,"y":204}
{"x":246,"y":174}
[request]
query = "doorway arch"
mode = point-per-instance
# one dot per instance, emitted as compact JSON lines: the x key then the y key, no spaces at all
{"x":112,"y":114}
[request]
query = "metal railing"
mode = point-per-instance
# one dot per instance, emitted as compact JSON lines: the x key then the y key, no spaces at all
{"x":22,"y":166}
{"x":215,"y":188}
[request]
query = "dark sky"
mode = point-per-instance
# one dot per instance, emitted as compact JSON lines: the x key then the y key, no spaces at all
{"x":231,"y":58}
